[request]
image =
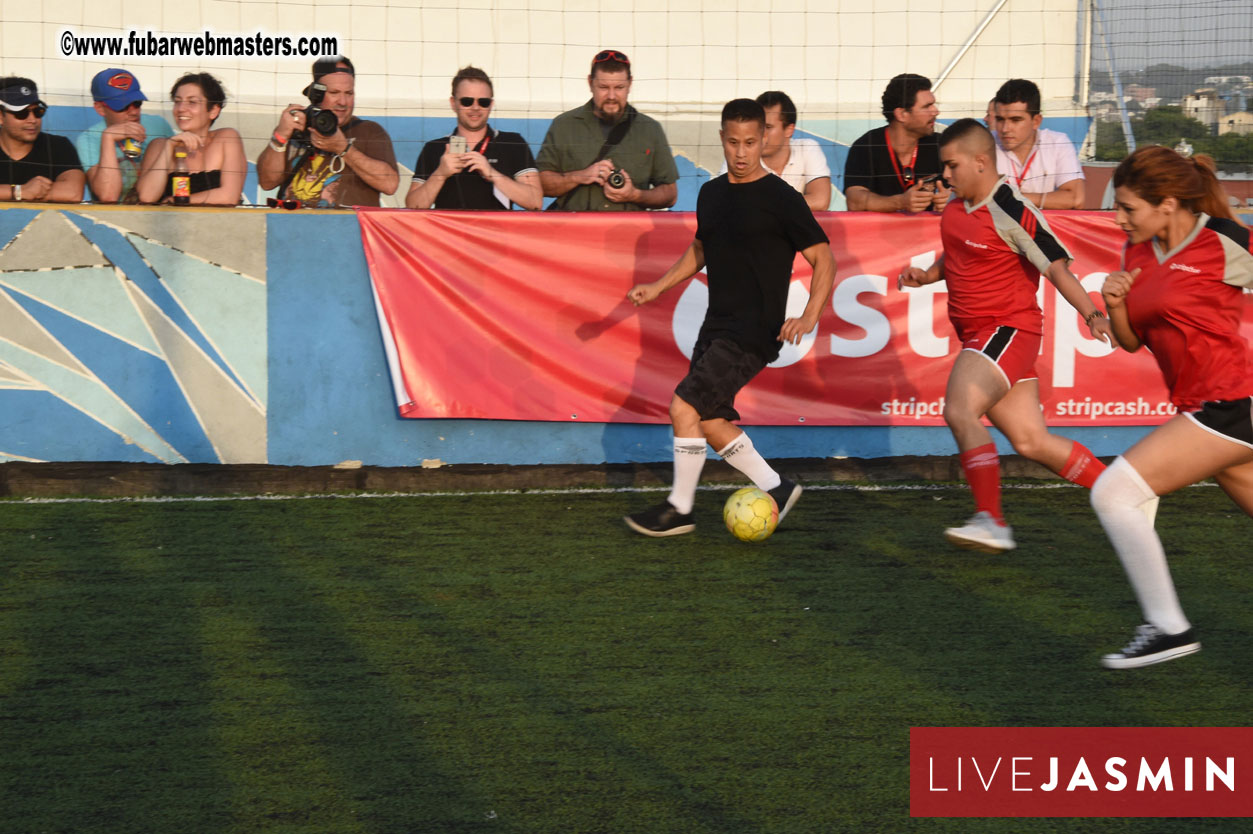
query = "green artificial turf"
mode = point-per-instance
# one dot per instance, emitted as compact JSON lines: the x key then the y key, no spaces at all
{"x":524,"y":663}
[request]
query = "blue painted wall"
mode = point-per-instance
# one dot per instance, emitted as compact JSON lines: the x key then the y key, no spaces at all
{"x":307,"y":384}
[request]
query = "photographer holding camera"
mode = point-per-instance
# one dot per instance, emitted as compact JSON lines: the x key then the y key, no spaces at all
{"x":321,"y":155}
{"x":606,"y":155}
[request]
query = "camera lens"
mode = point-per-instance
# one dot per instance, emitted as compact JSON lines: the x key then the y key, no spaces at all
{"x":616,"y":178}
{"x":323,"y":121}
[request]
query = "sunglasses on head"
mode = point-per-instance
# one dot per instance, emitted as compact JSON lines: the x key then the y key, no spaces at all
{"x":610,"y":55}
{"x":290,"y":205}
{"x":468,"y":101}
{"x":37,"y":109}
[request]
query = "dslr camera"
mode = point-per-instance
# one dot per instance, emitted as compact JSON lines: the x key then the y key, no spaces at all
{"x":323,"y":121}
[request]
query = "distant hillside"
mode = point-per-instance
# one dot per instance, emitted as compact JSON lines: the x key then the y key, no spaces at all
{"x":1172,"y":81}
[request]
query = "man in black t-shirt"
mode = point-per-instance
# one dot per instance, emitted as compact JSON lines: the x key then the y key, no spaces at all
{"x":897,"y":168}
{"x":34,"y":166}
{"x":487,"y":169}
{"x":749,"y":226}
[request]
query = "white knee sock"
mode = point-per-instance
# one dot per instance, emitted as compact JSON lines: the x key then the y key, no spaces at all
{"x":689,"y":460}
{"x":1118,"y":497}
{"x":741,"y":454}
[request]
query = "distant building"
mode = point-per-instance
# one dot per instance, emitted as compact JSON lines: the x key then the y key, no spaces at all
{"x":1139,"y":93}
{"x":1205,"y":106}
{"x":1238,"y":123}
{"x":1225,"y":80}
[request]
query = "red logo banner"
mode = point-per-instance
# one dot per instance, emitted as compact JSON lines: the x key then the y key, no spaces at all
{"x":1080,"y":772}
{"x":523,"y":316}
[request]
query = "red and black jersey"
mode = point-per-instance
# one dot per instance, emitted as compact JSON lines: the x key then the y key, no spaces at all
{"x":994,"y":253}
{"x":1186,"y":306}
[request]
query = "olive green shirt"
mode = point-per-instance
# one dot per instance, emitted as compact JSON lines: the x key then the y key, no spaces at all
{"x":576,"y":136}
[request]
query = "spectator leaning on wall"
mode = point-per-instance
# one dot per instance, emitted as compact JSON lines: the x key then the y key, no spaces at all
{"x":475,"y":166}
{"x":111,"y":149}
{"x":897,"y":168}
{"x":34,"y":166}
{"x":606,"y":155}
{"x":345,"y":161}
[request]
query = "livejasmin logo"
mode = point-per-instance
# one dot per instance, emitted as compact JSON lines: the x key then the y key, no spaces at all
{"x":1022,"y":773}
{"x":1081,"y":771}
{"x":1186,"y":268}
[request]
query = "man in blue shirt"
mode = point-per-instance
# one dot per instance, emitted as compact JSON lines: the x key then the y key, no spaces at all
{"x":111,"y":149}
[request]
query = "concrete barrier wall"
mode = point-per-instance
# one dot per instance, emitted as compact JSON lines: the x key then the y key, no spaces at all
{"x":250,"y":336}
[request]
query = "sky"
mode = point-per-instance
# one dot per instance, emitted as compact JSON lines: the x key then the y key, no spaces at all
{"x":1191,"y":33}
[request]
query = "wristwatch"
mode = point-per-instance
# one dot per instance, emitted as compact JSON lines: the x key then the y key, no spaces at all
{"x":17,"y":193}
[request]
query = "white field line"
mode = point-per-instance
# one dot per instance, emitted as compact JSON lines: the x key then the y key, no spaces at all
{"x":208,"y":499}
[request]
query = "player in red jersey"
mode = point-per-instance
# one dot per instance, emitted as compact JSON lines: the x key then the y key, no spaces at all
{"x":995,"y":248}
{"x":1178,"y":292}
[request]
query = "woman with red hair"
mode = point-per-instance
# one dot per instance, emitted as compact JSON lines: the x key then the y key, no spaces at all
{"x":1179,"y":293}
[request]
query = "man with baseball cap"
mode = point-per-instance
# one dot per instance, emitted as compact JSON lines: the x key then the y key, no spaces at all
{"x":34,"y":166}
{"x":111,"y":149}
{"x":316,"y":160}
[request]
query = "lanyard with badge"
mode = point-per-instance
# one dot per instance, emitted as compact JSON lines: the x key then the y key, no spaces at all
{"x":906,"y":178}
{"x":1025,"y":168}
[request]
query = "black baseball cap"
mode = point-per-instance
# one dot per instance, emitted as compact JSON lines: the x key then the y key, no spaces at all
{"x":18,"y":93}
{"x":326,"y":66}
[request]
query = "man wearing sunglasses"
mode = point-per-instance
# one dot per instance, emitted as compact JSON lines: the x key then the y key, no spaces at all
{"x":476,"y":166}
{"x":112,"y":148}
{"x":353,"y":166}
{"x":606,"y":155}
{"x":34,"y":166}
{"x":897,"y":168}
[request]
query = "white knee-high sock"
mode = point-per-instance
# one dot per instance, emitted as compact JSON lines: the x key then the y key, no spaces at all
{"x":1118,"y":497}
{"x":741,"y":454}
{"x":689,"y":460}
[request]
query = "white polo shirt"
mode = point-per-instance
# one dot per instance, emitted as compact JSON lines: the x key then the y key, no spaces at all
{"x":1054,"y":164}
{"x":805,"y":163}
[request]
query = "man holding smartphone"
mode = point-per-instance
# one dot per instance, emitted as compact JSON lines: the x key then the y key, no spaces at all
{"x":476,"y":166}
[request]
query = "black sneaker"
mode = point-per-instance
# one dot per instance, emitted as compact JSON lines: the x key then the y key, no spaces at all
{"x":785,"y":496}
{"x":1151,"y":646}
{"x":660,"y":520}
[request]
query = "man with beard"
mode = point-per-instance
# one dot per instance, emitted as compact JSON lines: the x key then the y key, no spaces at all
{"x":606,"y":155}
{"x":897,"y":168}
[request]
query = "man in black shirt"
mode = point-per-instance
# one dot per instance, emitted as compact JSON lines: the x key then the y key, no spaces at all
{"x":897,"y":168}
{"x":488,"y":168}
{"x":749,"y":226}
{"x":34,"y":166}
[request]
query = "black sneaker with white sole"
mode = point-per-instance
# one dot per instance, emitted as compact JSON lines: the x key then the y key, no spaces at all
{"x":785,"y":496}
{"x":660,"y":520}
{"x":1149,"y":646}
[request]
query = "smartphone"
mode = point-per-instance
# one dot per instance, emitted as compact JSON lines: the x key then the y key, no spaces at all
{"x":456,"y":144}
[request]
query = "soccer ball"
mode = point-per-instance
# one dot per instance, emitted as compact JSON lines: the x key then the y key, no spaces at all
{"x":751,"y":515}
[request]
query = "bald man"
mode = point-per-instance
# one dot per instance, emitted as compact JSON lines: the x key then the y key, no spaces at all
{"x":995,"y":248}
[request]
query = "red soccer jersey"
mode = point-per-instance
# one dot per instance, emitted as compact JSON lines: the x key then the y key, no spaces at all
{"x":994,"y":253}
{"x":1186,"y":306}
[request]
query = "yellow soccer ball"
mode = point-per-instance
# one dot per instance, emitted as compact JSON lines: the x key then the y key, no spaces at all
{"x":750,"y":514}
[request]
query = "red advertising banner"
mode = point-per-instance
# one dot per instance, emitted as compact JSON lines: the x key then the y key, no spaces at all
{"x":1080,"y":772}
{"x":523,"y":316}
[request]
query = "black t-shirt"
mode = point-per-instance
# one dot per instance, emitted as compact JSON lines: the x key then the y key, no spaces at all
{"x":751,"y":233}
{"x":869,"y":163}
{"x":506,"y":152}
{"x":51,"y":157}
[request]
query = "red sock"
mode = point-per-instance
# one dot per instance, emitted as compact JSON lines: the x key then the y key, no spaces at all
{"x":982,"y":467}
{"x":1082,"y":467}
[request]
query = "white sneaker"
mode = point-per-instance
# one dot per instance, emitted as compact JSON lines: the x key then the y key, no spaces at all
{"x":982,"y":533}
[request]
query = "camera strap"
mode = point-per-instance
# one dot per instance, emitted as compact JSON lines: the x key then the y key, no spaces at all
{"x":616,"y":135}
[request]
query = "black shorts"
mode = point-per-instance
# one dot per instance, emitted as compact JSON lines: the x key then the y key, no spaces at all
{"x":719,"y":369}
{"x":1232,"y":419}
